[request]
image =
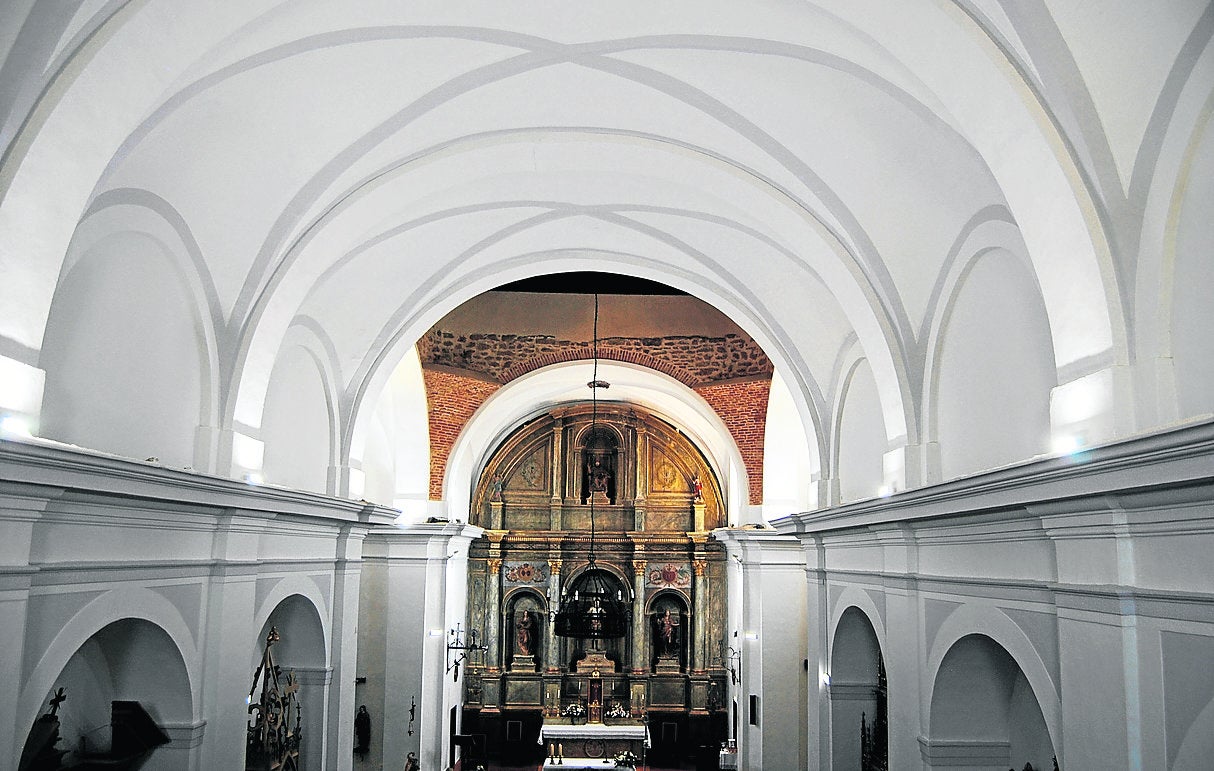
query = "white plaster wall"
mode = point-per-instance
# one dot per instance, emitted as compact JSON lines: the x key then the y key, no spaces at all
{"x":199,"y":563}
{"x":396,"y":447}
{"x":997,"y":369}
{"x":1193,"y":287}
{"x":789,"y":464}
{"x":861,"y":439}
{"x":296,"y":424}
{"x":1090,"y":648}
{"x":122,"y":354}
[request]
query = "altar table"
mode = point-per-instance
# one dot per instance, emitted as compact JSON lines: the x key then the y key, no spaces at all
{"x":592,"y":742}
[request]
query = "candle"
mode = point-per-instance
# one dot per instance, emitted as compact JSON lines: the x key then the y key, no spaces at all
{"x":560,"y":751}
{"x":551,"y":751}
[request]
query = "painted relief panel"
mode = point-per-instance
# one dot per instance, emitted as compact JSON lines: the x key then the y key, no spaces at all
{"x":524,"y":573}
{"x":668,"y":575}
{"x":665,"y":476}
{"x":531,"y":474}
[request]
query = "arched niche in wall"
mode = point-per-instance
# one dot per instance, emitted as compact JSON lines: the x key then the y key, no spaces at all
{"x":123,"y":353}
{"x":857,"y":696}
{"x":996,"y":369}
{"x":618,"y":649}
{"x":669,"y":632}
{"x":128,"y":660}
{"x":301,"y":650}
{"x":984,"y":711}
{"x":526,"y":614}
{"x":540,"y":476}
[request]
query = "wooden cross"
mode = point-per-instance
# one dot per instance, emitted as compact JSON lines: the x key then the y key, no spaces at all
{"x":58,"y":699}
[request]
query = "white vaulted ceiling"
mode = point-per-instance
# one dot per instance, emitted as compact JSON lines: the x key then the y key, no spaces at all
{"x":860,"y":186}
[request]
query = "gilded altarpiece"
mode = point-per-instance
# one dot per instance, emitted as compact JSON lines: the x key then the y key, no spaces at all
{"x":655,"y":499}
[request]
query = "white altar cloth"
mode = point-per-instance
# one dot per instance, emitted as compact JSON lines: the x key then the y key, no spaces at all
{"x":555,"y":731}
{"x":581,"y":763}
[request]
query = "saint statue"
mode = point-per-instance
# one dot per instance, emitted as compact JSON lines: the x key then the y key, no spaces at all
{"x":526,"y":634}
{"x":666,"y":634}
{"x":598,"y":475}
{"x":362,"y":732}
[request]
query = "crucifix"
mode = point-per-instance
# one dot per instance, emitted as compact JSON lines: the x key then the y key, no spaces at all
{"x":58,"y":699}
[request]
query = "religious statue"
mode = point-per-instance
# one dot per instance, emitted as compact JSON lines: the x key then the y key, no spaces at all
{"x":598,"y":475}
{"x":526,"y":634}
{"x":496,"y":487}
{"x":697,"y":487}
{"x":362,"y":732}
{"x":595,"y":612}
{"x":666,"y":634}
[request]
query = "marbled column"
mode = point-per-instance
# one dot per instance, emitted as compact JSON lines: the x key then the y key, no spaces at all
{"x":700,"y":622}
{"x":642,"y":478}
{"x":640,"y":656}
{"x":556,"y":481}
{"x":493,"y":590}
{"x":551,"y":653}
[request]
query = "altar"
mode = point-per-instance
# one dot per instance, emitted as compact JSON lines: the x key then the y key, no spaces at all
{"x":591,"y":743}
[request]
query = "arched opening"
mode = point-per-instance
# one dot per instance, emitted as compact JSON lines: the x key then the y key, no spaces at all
{"x":859,"y":727}
{"x":130,"y":660}
{"x":669,"y":631}
{"x":984,"y":713}
{"x":526,"y":622}
{"x":301,"y":649}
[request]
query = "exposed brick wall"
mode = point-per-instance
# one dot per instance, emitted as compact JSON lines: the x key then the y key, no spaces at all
{"x":691,"y":359}
{"x":458,"y":371}
{"x":451,"y":398}
{"x":742,"y":405}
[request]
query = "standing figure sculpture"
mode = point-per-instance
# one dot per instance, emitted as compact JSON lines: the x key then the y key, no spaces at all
{"x":526,"y":634}
{"x":362,"y":732}
{"x":666,"y":634}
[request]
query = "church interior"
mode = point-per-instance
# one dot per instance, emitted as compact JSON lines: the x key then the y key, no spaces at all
{"x":453,"y":386}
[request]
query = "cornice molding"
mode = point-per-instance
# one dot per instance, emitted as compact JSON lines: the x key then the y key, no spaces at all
{"x":1177,"y":457}
{"x":61,"y":471}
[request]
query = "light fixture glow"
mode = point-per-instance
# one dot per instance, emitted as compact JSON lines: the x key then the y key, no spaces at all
{"x":885,"y":491}
{"x":826,"y":679}
{"x":15,"y":425}
{"x":254,"y":478}
{"x":1067,"y":444}
{"x":751,"y":635}
{"x":436,"y":633}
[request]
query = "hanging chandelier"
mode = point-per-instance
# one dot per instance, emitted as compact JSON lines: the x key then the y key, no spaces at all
{"x":593,"y":610}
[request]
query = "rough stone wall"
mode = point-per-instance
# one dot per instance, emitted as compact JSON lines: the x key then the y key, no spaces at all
{"x":703,"y":359}
{"x":742,"y":405}
{"x":451,"y":397}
